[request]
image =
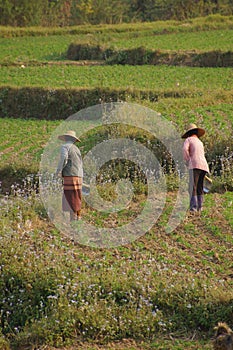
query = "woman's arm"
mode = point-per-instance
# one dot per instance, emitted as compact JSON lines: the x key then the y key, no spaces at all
{"x":186,"y":154}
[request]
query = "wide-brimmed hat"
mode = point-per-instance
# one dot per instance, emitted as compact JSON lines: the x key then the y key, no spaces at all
{"x":71,"y":134}
{"x":193,"y":129}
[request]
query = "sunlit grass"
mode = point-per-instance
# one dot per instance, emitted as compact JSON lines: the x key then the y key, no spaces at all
{"x":204,"y":41}
{"x":199,"y":80}
{"x":159,"y":286}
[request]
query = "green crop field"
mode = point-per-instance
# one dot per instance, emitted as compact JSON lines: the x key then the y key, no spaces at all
{"x":206,"y":40}
{"x":36,"y":48}
{"x":161,"y":291}
{"x":21,"y":49}
{"x":202,"y":80}
{"x":22,"y":149}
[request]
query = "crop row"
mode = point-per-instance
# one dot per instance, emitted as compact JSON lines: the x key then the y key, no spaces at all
{"x":204,"y":41}
{"x":143,"y":77}
{"x":21,"y":49}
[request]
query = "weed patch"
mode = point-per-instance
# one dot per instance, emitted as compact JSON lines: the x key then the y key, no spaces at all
{"x":158,"y":285}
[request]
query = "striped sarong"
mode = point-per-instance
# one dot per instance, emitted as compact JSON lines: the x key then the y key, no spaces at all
{"x":72,"y":196}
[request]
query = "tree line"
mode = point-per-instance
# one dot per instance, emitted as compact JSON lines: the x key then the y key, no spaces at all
{"x":21,"y":13}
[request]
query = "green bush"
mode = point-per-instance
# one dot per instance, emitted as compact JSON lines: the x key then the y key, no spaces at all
{"x":87,"y":52}
{"x":4,"y":344}
{"x":55,"y":104}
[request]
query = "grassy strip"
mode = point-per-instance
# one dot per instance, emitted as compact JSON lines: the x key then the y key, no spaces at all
{"x":20,"y":49}
{"x":141,"y":56}
{"x":159,"y":27}
{"x":52,"y":104}
{"x":179,"y":106}
{"x":158,"y":78}
{"x":200,"y":41}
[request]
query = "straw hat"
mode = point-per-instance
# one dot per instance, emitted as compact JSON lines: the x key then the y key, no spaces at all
{"x":192,"y":127}
{"x":70,"y":134}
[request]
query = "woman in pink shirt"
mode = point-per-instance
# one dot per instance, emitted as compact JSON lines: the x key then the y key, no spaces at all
{"x":194,"y":156}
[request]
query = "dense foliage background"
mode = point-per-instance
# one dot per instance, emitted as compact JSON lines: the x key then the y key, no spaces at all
{"x":74,"y":12}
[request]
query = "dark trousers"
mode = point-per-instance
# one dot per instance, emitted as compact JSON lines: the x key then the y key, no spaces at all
{"x":196,"y":184}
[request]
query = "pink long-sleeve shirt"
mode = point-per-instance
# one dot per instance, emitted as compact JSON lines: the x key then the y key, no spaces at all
{"x":194,"y":155}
